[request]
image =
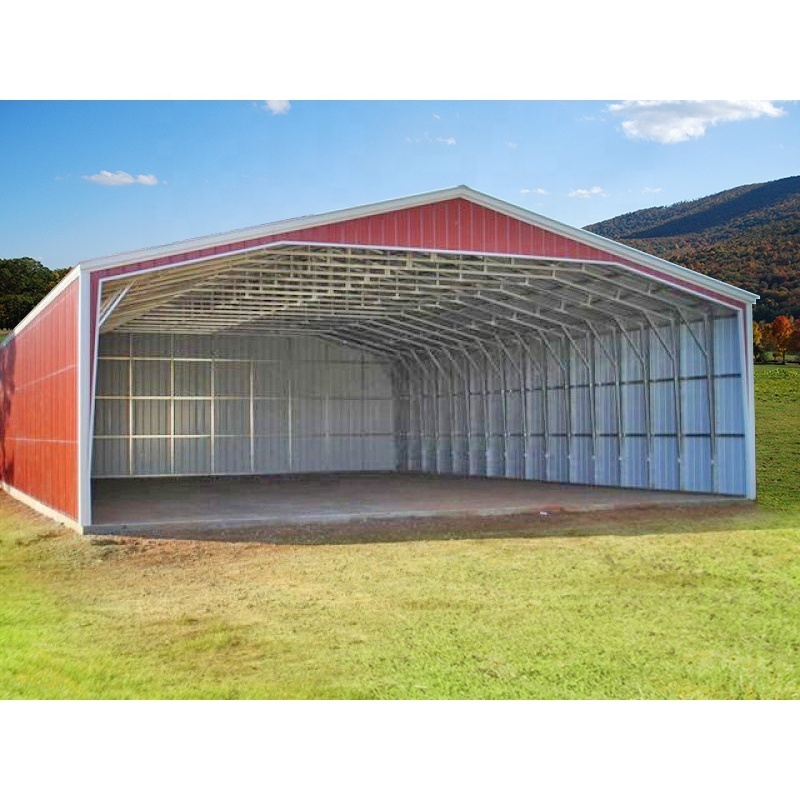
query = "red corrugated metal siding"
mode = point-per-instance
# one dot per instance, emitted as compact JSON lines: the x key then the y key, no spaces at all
{"x":456,"y":224}
{"x":39,"y":414}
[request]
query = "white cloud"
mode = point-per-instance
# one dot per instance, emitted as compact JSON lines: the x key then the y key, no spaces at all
{"x":648,"y":190}
{"x":277,"y":106}
{"x":533,"y":191}
{"x":427,"y":138}
{"x":587,"y":194}
{"x":436,"y":116}
{"x":670,"y":121}
{"x":512,"y":145}
{"x":120,"y":178}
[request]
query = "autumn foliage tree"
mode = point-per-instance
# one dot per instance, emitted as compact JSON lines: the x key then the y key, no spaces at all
{"x":783,"y":331}
{"x":776,"y":337}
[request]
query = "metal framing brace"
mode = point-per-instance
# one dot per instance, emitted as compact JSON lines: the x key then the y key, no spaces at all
{"x":472,"y":342}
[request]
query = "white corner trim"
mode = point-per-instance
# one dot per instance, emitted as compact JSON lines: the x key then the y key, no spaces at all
{"x":84,"y":410}
{"x":748,"y":370}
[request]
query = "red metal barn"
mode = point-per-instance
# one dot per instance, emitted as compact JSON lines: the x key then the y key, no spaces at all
{"x":448,"y":333}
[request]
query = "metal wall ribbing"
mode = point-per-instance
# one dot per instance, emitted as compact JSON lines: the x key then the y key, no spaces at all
{"x":213,"y":405}
{"x":636,"y":405}
{"x":650,"y":406}
{"x":39,"y":405}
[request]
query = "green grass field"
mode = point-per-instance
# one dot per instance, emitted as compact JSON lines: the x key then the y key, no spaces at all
{"x":688,"y":606}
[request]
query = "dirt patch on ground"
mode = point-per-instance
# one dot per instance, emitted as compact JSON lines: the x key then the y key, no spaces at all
{"x":627,"y":522}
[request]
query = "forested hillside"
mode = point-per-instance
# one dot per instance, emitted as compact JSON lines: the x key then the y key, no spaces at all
{"x":748,"y":236}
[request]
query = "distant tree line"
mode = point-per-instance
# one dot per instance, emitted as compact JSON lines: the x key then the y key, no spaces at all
{"x":23,"y":283}
{"x":779,"y":337}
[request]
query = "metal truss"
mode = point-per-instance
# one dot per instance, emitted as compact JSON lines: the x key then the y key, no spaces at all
{"x":450,"y":324}
{"x":385,"y":296}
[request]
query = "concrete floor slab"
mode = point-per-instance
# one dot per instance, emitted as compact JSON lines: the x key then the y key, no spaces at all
{"x":138,"y":505}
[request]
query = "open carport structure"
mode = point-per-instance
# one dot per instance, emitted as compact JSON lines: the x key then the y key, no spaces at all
{"x":446,"y":334}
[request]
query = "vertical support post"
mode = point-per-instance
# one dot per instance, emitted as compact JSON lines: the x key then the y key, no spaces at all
{"x":479,"y":374}
{"x":446,"y":376}
{"x":131,"y":462}
{"x":397,"y":412}
{"x":542,"y":370}
{"x":647,"y":371}
{"x":591,"y":390}
{"x":466,"y":405}
{"x":252,"y":413}
{"x":413,"y":404}
{"x":289,"y":405}
{"x":546,"y":415}
{"x":488,"y":360}
{"x":523,"y":421}
{"x":504,"y":414}
{"x":643,"y":356}
{"x":567,"y":405}
{"x":615,"y":365}
{"x":212,"y":423}
{"x":487,"y":419}
{"x":85,"y":392}
{"x":745,"y":320}
{"x":364,"y":439}
{"x":676,"y":367}
{"x":467,"y":416}
{"x":708,"y":327}
{"x":592,"y":368}
{"x":616,"y":345}
{"x":673,"y":350}
{"x":171,"y":405}
{"x":433,"y":416}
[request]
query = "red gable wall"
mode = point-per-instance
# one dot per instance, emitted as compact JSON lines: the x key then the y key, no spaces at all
{"x":456,"y":224}
{"x":445,"y":225}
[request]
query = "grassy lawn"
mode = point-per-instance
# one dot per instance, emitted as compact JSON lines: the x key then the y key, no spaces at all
{"x":694,"y":605}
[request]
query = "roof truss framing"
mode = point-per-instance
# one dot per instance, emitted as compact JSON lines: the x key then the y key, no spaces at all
{"x":391,"y":301}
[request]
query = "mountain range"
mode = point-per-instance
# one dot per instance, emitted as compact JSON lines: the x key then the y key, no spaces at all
{"x":748,"y":236}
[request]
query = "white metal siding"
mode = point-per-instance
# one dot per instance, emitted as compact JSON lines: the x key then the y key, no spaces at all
{"x":643,"y":406}
{"x":651,"y":408}
{"x":200,"y":405}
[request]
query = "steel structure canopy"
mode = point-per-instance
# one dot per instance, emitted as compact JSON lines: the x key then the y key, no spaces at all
{"x":290,"y":277}
{"x":389,"y":299}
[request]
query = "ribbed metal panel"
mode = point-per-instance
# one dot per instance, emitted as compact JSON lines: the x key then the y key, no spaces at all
{"x":692,"y":356}
{"x":621,"y":417}
{"x":39,"y":405}
{"x":695,"y":408}
{"x":581,"y":409}
{"x":114,"y":380}
{"x":696,"y":465}
{"x":732,"y":465}
{"x":183,"y":405}
{"x":728,"y":406}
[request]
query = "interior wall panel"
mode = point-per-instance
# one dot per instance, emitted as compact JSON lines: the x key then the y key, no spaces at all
{"x":631,"y":409}
{"x":222,"y":405}
{"x":646,"y":407}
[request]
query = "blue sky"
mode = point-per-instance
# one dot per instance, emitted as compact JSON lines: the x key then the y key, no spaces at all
{"x":90,"y":178}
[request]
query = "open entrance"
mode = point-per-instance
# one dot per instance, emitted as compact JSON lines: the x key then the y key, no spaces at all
{"x":298,"y":359}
